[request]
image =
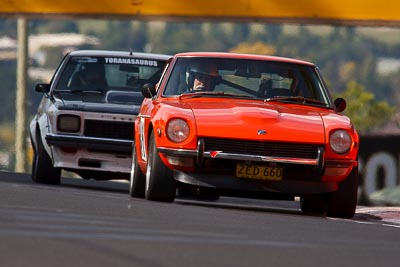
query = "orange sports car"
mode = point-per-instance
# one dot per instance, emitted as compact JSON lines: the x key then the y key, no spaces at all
{"x":249,"y":126}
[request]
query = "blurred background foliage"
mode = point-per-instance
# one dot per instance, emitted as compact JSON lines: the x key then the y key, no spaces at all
{"x":360,"y":64}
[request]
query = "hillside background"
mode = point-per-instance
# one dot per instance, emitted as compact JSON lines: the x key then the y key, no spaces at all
{"x":358,"y":63}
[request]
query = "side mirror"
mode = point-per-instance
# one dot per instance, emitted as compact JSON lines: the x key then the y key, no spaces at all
{"x":340,"y":104}
{"x":148,"y":90}
{"x":42,"y":88}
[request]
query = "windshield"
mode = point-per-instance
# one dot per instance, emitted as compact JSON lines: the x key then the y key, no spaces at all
{"x":107,"y":79}
{"x":243,"y":78}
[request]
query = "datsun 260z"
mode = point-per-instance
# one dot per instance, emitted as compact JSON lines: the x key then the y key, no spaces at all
{"x":245,"y":125}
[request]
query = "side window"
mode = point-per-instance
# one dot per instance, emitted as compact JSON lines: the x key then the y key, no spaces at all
{"x":67,"y":73}
{"x":163,"y":73}
{"x":177,"y":81}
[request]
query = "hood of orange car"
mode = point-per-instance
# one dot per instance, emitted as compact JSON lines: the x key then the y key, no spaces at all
{"x":259,"y":121}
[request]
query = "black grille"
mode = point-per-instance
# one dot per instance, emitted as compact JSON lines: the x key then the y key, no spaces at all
{"x":109,"y":129}
{"x":263,"y":148}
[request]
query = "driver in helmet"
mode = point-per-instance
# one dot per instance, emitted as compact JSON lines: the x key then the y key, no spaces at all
{"x":92,"y":76}
{"x":202,"y":77}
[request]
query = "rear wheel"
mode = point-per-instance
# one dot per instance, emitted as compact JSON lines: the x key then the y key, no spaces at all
{"x":137,"y":179}
{"x":343,"y":202}
{"x":160,"y":184}
{"x":42,"y":165}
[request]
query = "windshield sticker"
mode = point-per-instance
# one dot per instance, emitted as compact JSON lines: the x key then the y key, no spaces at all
{"x":132,"y":61}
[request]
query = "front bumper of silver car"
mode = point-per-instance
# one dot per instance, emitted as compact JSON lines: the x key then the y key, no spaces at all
{"x":94,"y":143}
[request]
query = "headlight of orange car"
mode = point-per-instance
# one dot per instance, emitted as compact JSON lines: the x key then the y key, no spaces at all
{"x":68,"y":123}
{"x":177,"y":130}
{"x":340,"y":141}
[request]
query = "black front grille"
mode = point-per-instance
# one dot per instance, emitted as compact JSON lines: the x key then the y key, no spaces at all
{"x":109,"y":129}
{"x":276,"y":149}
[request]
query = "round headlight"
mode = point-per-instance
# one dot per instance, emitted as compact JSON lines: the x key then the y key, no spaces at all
{"x":177,"y":130}
{"x":340,"y":141}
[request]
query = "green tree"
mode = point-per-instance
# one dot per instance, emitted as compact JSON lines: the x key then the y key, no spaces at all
{"x":7,"y":93}
{"x":274,"y":31}
{"x":366,"y":113}
{"x":8,"y":27}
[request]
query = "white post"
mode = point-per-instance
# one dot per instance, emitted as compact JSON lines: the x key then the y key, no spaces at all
{"x":21,"y":106}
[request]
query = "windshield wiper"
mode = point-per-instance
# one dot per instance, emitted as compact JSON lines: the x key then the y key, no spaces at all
{"x":300,"y":99}
{"x":73,"y":91}
{"x":85,"y":91}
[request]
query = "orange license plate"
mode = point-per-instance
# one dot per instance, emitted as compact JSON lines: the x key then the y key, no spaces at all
{"x":259,"y":172}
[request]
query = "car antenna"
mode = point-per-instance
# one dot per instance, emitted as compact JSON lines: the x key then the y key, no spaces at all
{"x":130,"y":52}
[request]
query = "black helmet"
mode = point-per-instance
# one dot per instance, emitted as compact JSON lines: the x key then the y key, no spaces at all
{"x":93,"y":74}
{"x":202,"y":68}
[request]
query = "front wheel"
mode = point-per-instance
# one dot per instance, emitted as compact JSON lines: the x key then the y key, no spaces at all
{"x":160,"y":184}
{"x":42,"y":165}
{"x":343,"y":202}
{"x":137,"y":179}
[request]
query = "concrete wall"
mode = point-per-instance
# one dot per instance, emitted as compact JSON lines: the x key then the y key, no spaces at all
{"x":379,"y":163}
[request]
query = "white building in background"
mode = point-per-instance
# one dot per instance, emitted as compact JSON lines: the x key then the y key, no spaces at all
{"x":66,"y":41}
{"x":37,"y":51}
{"x":387,"y":65}
{"x":8,"y":48}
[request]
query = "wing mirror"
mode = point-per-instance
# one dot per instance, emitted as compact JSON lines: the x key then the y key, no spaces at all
{"x":148,"y":90}
{"x":340,"y":104}
{"x":42,"y":88}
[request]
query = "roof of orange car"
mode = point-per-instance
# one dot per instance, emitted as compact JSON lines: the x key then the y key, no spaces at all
{"x":243,"y":56}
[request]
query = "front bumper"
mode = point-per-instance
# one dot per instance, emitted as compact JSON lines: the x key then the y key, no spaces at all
{"x":214,"y":166}
{"x":101,"y":144}
{"x":91,"y":153}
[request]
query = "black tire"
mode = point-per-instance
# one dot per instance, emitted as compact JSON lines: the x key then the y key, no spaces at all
{"x":137,"y":182}
{"x":160,"y":184}
{"x":42,"y":165}
{"x":313,"y":204}
{"x":343,"y":202}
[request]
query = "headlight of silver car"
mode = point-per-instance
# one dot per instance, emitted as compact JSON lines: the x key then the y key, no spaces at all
{"x":340,"y":141}
{"x":68,"y":123}
{"x":177,"y":130}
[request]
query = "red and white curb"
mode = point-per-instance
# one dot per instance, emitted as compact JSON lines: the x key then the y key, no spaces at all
{"x":389,"y":216}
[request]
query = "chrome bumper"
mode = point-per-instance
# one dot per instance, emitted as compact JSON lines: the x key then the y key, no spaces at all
{"x":200,"y":154}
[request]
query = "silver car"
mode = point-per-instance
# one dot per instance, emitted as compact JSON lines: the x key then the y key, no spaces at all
{"x":85,"y":120}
